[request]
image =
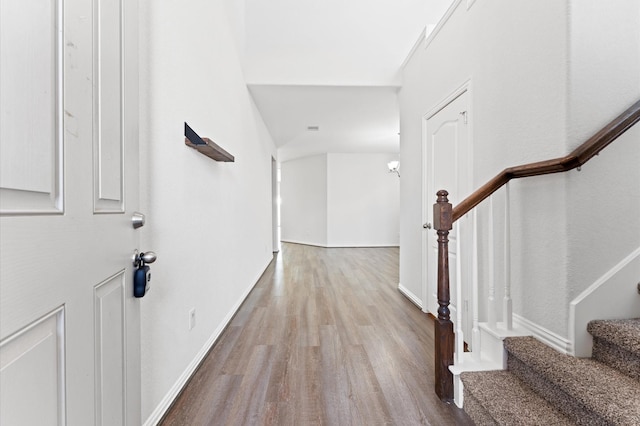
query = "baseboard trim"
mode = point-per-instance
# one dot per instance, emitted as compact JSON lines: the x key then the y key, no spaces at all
{"x":409,"y":295}
{"x":164,"y":405}
{"x":303,"y":243}
{"x":548,"y":337}
{"x":364,"y":246}
{"x":392,"y":245}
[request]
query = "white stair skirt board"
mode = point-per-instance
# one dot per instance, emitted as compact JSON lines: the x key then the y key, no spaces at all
{"x":546,"y":336}
{"x":612,"y":296}
{"x":469,"y":363}
{"x":492,"y":341}
{"x":492,"y":355}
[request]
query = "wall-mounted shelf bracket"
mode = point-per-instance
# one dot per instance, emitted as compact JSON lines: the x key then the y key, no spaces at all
{"x":205,"y":146}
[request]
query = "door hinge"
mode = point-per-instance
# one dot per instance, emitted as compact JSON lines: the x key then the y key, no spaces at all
{"x":464,"y":116}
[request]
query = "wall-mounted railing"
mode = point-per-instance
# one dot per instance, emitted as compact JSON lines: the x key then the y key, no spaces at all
{"x":445,"y":215}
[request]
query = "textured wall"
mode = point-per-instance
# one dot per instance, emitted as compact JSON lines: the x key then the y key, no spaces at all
{"x":544,"y":77}
{"x":515,"y":56}
{"x":604,"y":79}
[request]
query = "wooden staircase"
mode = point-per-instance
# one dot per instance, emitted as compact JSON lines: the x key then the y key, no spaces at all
{"x":543,"y":386}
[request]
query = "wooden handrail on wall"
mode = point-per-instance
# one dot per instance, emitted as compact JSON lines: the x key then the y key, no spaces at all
{"x":445,"y":215}
{"x":577,"y":158}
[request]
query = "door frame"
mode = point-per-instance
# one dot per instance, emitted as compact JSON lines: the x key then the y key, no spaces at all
{"x":428,"y":305}
{"x":275,"y":206}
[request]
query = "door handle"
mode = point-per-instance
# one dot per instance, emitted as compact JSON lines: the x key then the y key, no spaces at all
{"x":140,"y":259}
{"x":427,"y":225}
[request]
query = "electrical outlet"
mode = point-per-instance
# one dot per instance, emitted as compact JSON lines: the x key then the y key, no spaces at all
{"x":192,"y":318}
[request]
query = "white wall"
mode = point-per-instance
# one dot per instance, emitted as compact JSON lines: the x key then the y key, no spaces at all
{"x":209,"y":223}
{"x":303,"y":190}
{"x":544,"y":76}
{"x":514,"y":54}
{"x":363,"y":201}
{"x":236,"y":11}
{"x":603,"y":199}
{"x":340,"y":200}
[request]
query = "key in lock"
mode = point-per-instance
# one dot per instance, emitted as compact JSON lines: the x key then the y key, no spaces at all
{"x":142,"y":274}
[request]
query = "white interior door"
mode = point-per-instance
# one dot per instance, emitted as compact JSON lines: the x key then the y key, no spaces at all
{"x":445,"y":166}
{"x":69,"y":325}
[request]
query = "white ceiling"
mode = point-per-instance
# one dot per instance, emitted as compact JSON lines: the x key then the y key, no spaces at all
{"x":330,"y":63}
{"x":349,"y":118}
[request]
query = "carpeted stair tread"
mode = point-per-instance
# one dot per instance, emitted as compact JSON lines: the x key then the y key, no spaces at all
{"x":624,"y":333}
{"x":587,"y":391}
{"x":500,"y":398}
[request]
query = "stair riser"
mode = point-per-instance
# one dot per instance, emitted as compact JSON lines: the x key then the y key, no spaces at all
{"x":552,"y":394}
{"x":477,"y":412}
{"x":616,"y":357}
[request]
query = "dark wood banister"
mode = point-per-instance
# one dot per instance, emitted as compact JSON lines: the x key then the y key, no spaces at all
{"x":577,"y":158}
{"x":445,"y":215}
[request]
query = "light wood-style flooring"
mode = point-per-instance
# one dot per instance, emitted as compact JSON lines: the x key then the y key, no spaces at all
{"x":324,"y":338}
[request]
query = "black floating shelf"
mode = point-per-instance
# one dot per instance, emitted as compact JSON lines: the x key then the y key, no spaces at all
{"x":205,"y":146}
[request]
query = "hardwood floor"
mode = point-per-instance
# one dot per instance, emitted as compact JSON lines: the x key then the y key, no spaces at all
{"x":324,"y":338}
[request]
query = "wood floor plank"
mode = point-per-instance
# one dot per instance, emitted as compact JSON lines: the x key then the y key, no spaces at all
{"x":247,"y":408}
{"x":211,"y":406}
{"x":237,"y":362}
{"x":389,"y":368}
{"x":286,"y":353}
{"x":309,"y":396}
{"x":335,"y":383}
{"x":366,"y":391}
{"x":325,"y":338}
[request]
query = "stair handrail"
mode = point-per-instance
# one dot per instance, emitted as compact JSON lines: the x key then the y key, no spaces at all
{"x":445,"y":215}
{"x":579,"y":156}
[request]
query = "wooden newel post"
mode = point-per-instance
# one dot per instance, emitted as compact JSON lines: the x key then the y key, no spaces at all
{"x":444,"y":339}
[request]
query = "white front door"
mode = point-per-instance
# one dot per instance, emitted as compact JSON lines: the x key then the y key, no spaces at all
{"x":69,"y":324}
{"x":445,"y":166}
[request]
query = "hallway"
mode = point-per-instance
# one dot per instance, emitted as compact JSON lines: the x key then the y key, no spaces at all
{"x":323,"y":338}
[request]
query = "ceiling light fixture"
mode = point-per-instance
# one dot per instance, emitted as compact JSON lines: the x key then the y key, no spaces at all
{"x":313,"y":128}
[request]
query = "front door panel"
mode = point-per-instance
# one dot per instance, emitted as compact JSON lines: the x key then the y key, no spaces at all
{"x":68,"y":189}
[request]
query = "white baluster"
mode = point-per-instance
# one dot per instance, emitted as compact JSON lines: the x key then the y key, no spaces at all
{"x":491,"y":307}
{"x":507,"y":308}
{"x":459,"y":299}
{"x":475,"y":333}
